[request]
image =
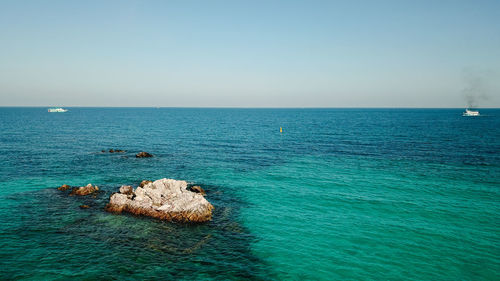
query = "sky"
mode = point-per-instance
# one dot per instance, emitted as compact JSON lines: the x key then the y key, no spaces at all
{"x":250,"y":53}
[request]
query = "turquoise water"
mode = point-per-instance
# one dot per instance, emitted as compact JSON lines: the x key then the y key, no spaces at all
{"x":341,"y":194}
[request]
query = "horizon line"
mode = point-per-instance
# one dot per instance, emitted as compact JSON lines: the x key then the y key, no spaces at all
{"x":248,"y":107}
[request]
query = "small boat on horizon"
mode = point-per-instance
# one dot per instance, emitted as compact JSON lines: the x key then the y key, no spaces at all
{"x":59,"y":109}
{"x":469,"y":112}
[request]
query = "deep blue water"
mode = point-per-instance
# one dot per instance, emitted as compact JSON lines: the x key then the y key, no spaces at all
{"x":341,"y":194}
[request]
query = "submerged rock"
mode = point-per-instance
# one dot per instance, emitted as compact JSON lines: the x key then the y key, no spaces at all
{"x":64,"y":187}
{"x":143,"y":154}
{"x":165,"y":199}
{"x":84,"y":190}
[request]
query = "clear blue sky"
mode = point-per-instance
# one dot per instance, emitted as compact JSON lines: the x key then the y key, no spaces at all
{"x":249,"y":53}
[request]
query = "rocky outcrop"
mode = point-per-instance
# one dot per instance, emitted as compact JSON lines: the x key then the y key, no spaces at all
{"x":127,"y":190}
{"x":165,"y":199}
{"x":84,"y":190}
{"x":143,"y":154}
{"x":64,"y":187}
{"x":198,"y":189}
{"x":144,"y":182}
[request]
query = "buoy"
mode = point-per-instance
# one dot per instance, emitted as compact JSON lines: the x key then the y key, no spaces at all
{"x":281,"y":130}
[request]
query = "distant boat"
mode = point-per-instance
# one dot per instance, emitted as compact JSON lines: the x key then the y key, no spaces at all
{"x":57,"y":110}
{"x":469,"y":112}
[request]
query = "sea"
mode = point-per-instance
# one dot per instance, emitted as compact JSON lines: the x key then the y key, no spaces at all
{"x":339,"y":194}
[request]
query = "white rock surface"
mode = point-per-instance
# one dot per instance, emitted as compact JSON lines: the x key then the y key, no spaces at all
{"x":167,"y":199}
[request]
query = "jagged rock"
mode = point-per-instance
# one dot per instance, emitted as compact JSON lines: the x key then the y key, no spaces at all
{"x":165,"y":199}
{"x":127,"y":190}
{"x":198,"y":189}
{"x":84,"y":190}
{"x":84,"y":206}
{"x":144,"y":182}
{"x":143,"y":154}
{"x":64,"y":187}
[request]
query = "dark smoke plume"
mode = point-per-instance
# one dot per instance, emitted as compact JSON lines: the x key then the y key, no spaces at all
{"x":475,"y":89}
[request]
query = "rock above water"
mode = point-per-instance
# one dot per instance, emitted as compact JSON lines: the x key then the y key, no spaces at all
{"x":84,"y":190}
{"x":143,"y":154}
{"x":127,"y":190}
{"x":144,"y":182}
{"x":64,"y":187}
{"x":198,"y":189}
{"x":165,"y":199}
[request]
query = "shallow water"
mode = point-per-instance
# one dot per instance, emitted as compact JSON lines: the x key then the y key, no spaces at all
{"x":340,"y":194}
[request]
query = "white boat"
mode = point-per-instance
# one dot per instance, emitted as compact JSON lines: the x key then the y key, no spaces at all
{"x":57,"y":110}
{"x":469,"y":112}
